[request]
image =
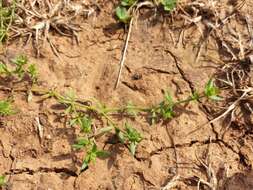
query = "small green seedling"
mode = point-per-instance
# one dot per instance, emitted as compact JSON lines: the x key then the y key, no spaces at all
{"x":124,"y":11}
{"x":33,"y":72}
{"x":80,"y":114}
{"x":4,"y":70}
{"x":6,"y":18}
{"x":122,"y":14}
{"x":69,"y":100}
{"x":2,"y":180}
{"x":169,"y":5}
{"x":84,"y":122}
{"x":6,"y":108}
{"x":129,"y":136}
{"x":131,"y":109}
{"x":20,"y":62}
{"x":19,"y":69}
{"x":211,"y":91}
{"x":91,"y":156}
{"x":128,"y":3}
{"x":166,"y":107}
{"x":81,"y":143}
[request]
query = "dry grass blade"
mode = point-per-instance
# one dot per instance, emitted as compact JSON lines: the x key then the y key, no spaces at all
{"x":172,"y":183}
{"x":123,"y":57}
{"x":39,"y":128}
{"x":38,"y":18}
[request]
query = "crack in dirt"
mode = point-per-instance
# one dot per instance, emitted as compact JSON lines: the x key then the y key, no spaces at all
{"x":42,"y":170}
{"x":195,"y":142}
{"x":206,"y":112}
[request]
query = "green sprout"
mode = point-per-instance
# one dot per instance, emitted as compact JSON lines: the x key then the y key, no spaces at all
{"x":4,"y":70}
{"x":126,"y":9}
{"x":80,"y":115}
{"x":6,"y":19}
{"x":91,"y":156}
{"x":129,"y":136}
{"x":2,"y":180}
{"x":19,"y":62}
{"x":19,"y":69}
{"x":122,"y":14}
{"x":84,"y":122}
{"x":211,"y":91}
{"x":128,"y":3}
{"x":5,"y":108}
{"x":169,"y":5}
{"x":33,"y":72}
{"x":81,"y":143}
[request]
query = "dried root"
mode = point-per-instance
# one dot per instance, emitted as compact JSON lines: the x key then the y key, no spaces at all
{"x":38,"y":18}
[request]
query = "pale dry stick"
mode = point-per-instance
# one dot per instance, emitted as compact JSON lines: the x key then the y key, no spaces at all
{"x":250,"y":28}
{"x":172,"y":183}
{"x":39,"y":128}
{"x":242,"y":52}
{"x":123,"y":57}
{"x":229,"y":109}
{"x":211,"y":175}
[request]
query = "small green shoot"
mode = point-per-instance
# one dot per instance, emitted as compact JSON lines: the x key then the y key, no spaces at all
{"x":169,"y":5}
{"x":6,"y":108}
{"x":122,"y":14}
{"x":81,"y":143}
{"x":131,"y":109}
{"x":211,"y":91}
{"x":69,"y":100}
{"x":125,"y":10}
{"x":84,"y":122}
{"x":128,"y":3}
{"x":6,"y":19}
{"x":4,"y":70}
{"x":2,"y":180}
{"x":19,"y":69}
{"x":33,"y":72}
{"x":91,"y":156}
{"x":19,"y":62}
{"x":129,"y":136}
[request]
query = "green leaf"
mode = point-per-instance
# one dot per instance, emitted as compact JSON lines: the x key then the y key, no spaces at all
{"x":127,"y":3}
{"x":85,"y":124}
{"x":32,"y":70}
{"x":102,"y":154}
{"x":120,"y":135}
{"x":130,"y":109}
{"x":168,"y":98}
{"x":132,"y":134}
{"x":169,"y":5}
{"x":167,"y":112}
{"x":3,"y":69}
{"x":2,"y":180}
{"x":81,"y":143}
{"x":211,"y":91}
{"x":6,"y":108}
{"x":195,"y":96}
{"x":122,"y":14}
{"x":104,"y":130}
{"x":85,"y":165}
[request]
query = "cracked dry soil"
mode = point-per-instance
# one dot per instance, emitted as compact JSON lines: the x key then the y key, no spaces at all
{"x":153,"y":65}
